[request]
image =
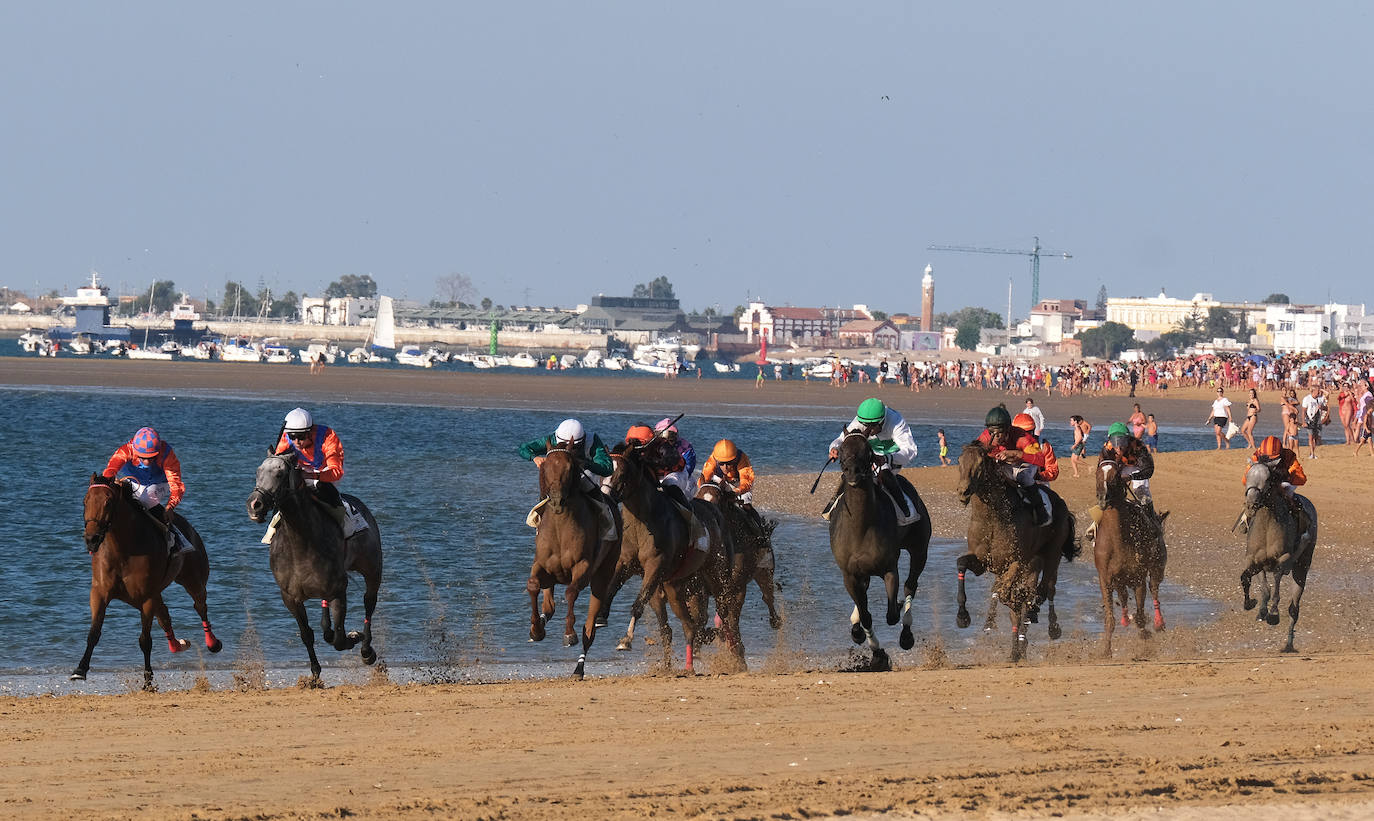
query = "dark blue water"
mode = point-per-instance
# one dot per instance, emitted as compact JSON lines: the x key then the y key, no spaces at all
{"x":450,"y":496}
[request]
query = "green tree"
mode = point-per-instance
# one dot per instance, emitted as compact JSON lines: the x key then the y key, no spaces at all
{"x":1102,"y":300}
{"x":486,"y":303}
{"x":287,"y":307}
{"x":1277,"y":299}
{"x":1157,"y":348}
{"x":455,"y":288}
{"x":164,"y":296}
{"x":1243,"y":327}
{"x":238,"y":300}
{"x":967,"y":336}
{"x":1106,"y":341}
{"x":738,"y":312}
{"x":659,"y":288}
{"x":879,"y":315}
{"x":1219,"y":324}
{"x":357,"y":285}
{"x":981,"y":317}
{"x":1330,"y":346}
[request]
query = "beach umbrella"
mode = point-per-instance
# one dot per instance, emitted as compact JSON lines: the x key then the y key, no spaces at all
{"x":1258,"y":359}
{"x":1315,"y":363}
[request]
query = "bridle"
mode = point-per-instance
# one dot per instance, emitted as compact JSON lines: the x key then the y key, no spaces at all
{"x":294,"y":482}
{"x":93,"y":543}
{"x":853,"y":475}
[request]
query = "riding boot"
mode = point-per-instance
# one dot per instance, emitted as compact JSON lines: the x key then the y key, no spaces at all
{"x":340,"y":516}
{"x":161,"y":518}
{"x":1031,"y":497}
{"x":825,"y":512}
{"x":889,"y":480}
{"x":694,"y":526}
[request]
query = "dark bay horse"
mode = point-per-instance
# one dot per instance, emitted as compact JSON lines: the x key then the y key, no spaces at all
{"x":657,"y":544}
{"x":1274,"y":546}
{"x":310,"y":558}
{"x":752,"y":540}
{"x":1003,"y":538}
{"x":129,"y":563}
{"x":568,"y":550}
{"x":1129,"y":551}
{"x":866,"y":541}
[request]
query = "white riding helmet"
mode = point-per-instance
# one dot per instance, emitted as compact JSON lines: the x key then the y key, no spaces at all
{"x":299,"y":421}
{"x":569,"y":430}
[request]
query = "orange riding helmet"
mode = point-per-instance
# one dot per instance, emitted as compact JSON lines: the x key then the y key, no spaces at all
{"x":639,"y":434}
{"x":724,"y":451}
{"x":1269,"y":448}
{"x":1024,"y":422}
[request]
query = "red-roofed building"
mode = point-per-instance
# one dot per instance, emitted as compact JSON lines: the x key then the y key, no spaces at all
{"x":804,"y":326}
{"x":869,"y":333}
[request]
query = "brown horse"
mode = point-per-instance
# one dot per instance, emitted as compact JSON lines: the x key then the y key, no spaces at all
{"x":867,"y":541}
{"x":568,"y":550}
{"x":129,"y":563}
{"x":657,"y":544}
{"x":1003,"y":538}
{"x":1129,"y":552}
{"x":1275,"y":546}
{"x":753,"y":540}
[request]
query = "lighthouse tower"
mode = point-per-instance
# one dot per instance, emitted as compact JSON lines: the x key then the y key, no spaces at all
{"x":927,"y":299}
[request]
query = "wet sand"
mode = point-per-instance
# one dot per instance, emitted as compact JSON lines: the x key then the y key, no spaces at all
{"x":1177,"y":725}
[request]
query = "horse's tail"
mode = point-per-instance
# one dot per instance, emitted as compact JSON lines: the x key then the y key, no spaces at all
{"x":1070,"y":547}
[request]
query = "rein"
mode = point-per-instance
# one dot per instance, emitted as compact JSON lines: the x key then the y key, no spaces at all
{"x":274,"y":498}
{"x":104,"y":524}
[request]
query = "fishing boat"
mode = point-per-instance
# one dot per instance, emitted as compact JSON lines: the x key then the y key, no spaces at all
{"x":239,"y":349}
{"x":413,"y":356}
{"x":320,"y":347}
{"x":483,"y":361}
{"x":274,"y":352}
{"x":593,"y":359}
{"x":726,"y":367}
{"x":523,"y":360}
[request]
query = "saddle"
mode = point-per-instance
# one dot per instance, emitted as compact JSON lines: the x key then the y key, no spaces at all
{"x":603,"y":513}
{"x":903,"y":518}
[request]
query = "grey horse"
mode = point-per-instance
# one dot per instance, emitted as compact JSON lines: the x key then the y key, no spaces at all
{"x":1275,"y":546}
{"x":310,"y":557}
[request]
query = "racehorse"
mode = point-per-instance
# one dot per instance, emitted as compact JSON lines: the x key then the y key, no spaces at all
{"x":1003,"y":538}
{"x":752,"y":540}
{"x":1274,"y":546}
{"x":310,"y":557}
{"x":866,"y":541}
{"x":657,"y":544}
{"x":129,"y":562}
{"x":568,"y":550}
{"x":1129,"y":552}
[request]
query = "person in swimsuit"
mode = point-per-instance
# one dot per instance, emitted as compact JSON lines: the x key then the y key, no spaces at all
{"x":1252,"y":411}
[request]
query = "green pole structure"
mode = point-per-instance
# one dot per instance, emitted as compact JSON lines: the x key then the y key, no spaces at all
{"x":494,"y":326}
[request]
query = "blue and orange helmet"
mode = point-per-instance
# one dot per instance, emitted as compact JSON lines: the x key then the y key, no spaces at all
{"x":147,"y":444}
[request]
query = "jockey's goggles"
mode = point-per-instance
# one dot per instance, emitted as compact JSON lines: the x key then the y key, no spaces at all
{"x":299,"y":434}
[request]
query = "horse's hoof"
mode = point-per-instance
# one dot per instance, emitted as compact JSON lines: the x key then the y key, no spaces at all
{"x":537,"y":633}
{"x":1159,"y":624}
{"x":856,"y":633}
{"x":1055,"y":630}
{"x":1250,"y":604}
{"x":578,"y":675}
{"x":214,"y":646}
{"x":1272,"y":618}
{"x":369,"y":655}
{"x":775,"y":622}
{"x":79,"y":675}
{"x":907,"y":639}
{"x":569,"y":639}
{"x":328,"y":636}
{"x":963,"y":619}
{"x":177,"y":645}
{"x":881,"y":663}
{"x":625,"y":643}
{"x":600,"y":622}
{"x":1288,"y":648}
{"x":1035,"y":615}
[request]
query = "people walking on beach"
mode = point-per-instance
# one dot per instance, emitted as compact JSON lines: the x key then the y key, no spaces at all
{"x":1252,"y":411}
{"x":1289,"y":413}
{"x":1151,"y":437}
{"x":153,"y":473}
{"x":1315,"y":414}
{"x":1221,"y":418}
{"x":1081,"y":428}
{"x":1345,"y":407}
{"x":945,"y":461}
{"x":1137,"y":422}
{"x":1364,"y":417}
{"x":758,"y":383}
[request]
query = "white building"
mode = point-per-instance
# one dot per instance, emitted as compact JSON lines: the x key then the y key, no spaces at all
{"x":318,"y":310}
{"x":1303,"y":328}
{"x":1053,"y":320}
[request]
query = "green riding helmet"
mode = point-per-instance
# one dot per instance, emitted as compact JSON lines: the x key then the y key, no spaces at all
{"x":872,"y":411}
{"x":998,"y":417}
{"x":1118,"y":428}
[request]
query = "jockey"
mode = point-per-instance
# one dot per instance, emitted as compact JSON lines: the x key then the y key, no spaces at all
{"x":153,"y":472}
{"x":682,"y":477}
{"x":1137,"y":465}
{"x":1283,"y":463}
{"x":663,"y":459}
{"x":593,"y":460}
{"x":890,"y":440}
{"x":736,"y":474}
{"x":1020,"y":456}
{"x":320,"y":456}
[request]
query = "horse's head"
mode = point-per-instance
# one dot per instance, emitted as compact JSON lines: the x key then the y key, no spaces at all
{"x":1257,"y":484}
{"x":713,"y":491}
{"x":558,"y":477}
{"x":631,"y":472}
{"x":99,"y":510}
{"x":278,"y":476}
{"x":1111,"y":487}
{"x":974,"y":465}
{"x":856,"y":460}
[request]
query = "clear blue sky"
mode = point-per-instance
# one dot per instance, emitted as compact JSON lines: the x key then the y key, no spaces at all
{"x":803,"y":153}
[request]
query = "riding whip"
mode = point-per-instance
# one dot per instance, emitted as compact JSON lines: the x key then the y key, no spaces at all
{"x":818,"y":475}
{"x":659,"y":433}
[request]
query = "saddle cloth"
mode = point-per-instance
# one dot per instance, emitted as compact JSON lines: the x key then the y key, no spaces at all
{"x":903,"y":519}
{"x":353,"y":521}
{"x":603,"y":513}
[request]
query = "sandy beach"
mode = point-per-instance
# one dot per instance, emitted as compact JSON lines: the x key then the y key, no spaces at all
{"x":1199,"y":721}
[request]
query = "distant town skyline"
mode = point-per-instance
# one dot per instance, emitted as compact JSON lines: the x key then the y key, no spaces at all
{"x":804,"y":153}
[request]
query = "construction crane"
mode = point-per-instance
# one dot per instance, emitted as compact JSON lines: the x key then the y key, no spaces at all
{"x":1034,"y":253}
